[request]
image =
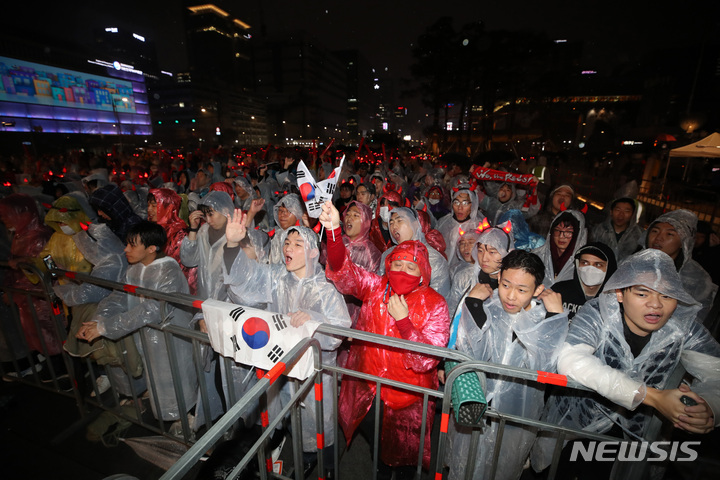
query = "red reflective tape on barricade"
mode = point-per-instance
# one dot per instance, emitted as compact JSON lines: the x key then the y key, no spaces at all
{"x":264,"y":421}
{"x":130,"y":288}
{"x":56,"y":309}
{"x":320,"y":441}
{"x":275,"y":372}
{"x":70,"y":275}
{"x":444,"y":421}
{"x":259,"y":372}
{"x":552,"y":378}
{"x":268,"y":464}
{"x":438,"y":476}
{"x":197,"y":303}
{"x":318,"y":392}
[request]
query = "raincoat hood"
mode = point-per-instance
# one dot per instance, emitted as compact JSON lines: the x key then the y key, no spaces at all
{"x":168,"y":205}
{"x":66,"y":210}
{"x":524,"y":238}
{"x":243,"y":183}
{"x":365,"y":216}
{"x":219,"y":201}
{"x":413,"y":251}
{"x":223,"y":187}
{"x":652,"y":269}
{"x":410,"y":217}
{"x":312,"y":252}
{"x":292,"y":202}
{"x":465,"y":188}
{"x":99,"y":243}
{"x":499,"y":239}
{"x":685,"y":223}
{"x":392,"y":196}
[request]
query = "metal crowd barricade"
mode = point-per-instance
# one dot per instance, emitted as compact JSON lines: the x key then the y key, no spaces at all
{"x":226,"y":422}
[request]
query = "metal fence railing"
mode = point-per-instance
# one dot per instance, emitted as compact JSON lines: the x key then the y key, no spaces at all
{"x":237,"y":406}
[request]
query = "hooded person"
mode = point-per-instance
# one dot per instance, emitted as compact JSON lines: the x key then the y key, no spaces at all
{"x":434,"y":237}
{"x":561,"y":198}
{"x":296,"y":287}
{"x":504,"y":198}
{"x":463,"y":271}
{"x":265,"y":190}
{"x":112,"y":205}
{"x":464,"y":216}
{"x":437,"y":200}
{"x":379,"y":233}
{"x":619,"y":230}
{"x":287,"y":212}
{"x":626,"y":345}
{"x":215,"y":172}
{"x":400,"y":304}
{"x":163,"y":207}
{"x":223,"y":187}
{"x":404,"y":225}
{"x":594,"y":265}
{"x":28,"y":237}
{"x":567,"y":234}
{"x":674,"y":233}
{"x":136,"y":197}
{"x":524,"y":238}
{"x":121,"y":314}
{"x":244,"y":193}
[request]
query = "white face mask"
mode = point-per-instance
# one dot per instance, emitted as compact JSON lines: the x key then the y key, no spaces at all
{"x":385,"y":214}
{"x":591,"y":276}
{"x":67,"y":230}
{"x":433,"y":201}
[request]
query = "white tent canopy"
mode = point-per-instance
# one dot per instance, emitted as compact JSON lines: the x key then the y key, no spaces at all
{"x":707,"y":147}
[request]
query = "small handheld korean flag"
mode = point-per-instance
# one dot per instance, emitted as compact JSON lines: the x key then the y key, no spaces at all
{"x":256,"y":337}
{"x":313,"y":193}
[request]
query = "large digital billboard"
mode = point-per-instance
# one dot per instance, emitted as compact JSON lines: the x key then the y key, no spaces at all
{"x":41,"y":98}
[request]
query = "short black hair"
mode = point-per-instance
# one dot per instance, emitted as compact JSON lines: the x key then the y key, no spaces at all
{"x":527,"y":261}
{"x":205,"y":209}
{"x":151,"y":198}
{"x":370,"y":187}
{"x":627,"y":200}
{"x":149,"y":233}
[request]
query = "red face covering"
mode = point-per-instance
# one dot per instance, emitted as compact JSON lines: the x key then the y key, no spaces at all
{"x":402,"y":283}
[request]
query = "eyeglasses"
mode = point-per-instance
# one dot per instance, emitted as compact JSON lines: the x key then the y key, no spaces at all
{"x":464,"y":203}
{"x":563,"y":233}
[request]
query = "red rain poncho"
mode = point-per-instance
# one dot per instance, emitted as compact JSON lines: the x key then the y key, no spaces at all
{"x":20,"y":213}
{"x":430,"y":324}
{"x":168,"y":206}
{"x":376,"y":235}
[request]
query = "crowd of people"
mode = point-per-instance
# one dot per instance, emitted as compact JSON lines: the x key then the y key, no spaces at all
{"x":412,"y":247}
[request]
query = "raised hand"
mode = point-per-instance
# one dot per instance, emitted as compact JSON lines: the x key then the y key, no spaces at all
{"x":195,"y":218}
{"x":257,"y":205}
{"x":330,"y":217}
{"x":235,"y":229}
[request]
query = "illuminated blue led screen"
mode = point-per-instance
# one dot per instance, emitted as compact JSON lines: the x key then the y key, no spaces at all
{"x":35,"y":97}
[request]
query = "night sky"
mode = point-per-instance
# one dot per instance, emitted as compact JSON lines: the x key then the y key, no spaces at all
{"x":613,"y":31}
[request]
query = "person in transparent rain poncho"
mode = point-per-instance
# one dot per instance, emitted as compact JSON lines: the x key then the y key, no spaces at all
{"x":203,"y":248}
{"x":101,"y":247}
{"x":521,"y":324}
{"x":567,"y":234}
{"x":625,"y":345}
{"x":674,"y":234}
{"x":502,"y":197}
{"x":121,"y":314}
{"x":297,"y":288}
{"x":288,"y":212}
{"x":463,"y":216}
{"x":490,"y":247}
{"x":403,"y":226}
{"x":619,"y":230}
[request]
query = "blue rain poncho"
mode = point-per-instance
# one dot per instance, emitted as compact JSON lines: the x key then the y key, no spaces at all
{"x":252,"y":283}
{"x":440,"y":274}
{"x":537,"y":343}
{"x":524,"y":238}
{"x":121,"y":314}
{"x":450,"y":228}
{"x":545,"y":254}
{"x":597,"y":355}
{"x":628,"y":242}
{"x":695,"y":280}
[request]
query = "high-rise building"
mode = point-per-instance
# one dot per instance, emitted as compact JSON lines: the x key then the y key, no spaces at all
{"x":361,"y":97}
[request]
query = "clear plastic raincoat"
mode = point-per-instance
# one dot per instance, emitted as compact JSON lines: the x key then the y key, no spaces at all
{"x":605,"y":233}
{"x":527,"y":340}
{"x":450,"y":228}
{"x":402,"y":413}
{"x":252,"y":283}
{"x":494,"y":208}
{"x":695,"y":279}
{"x":440,"y":273}
{"x":110,"y":200}
{"x":294,"y":204}
{"x":545,"y":254}
{"x":597,"y":355}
